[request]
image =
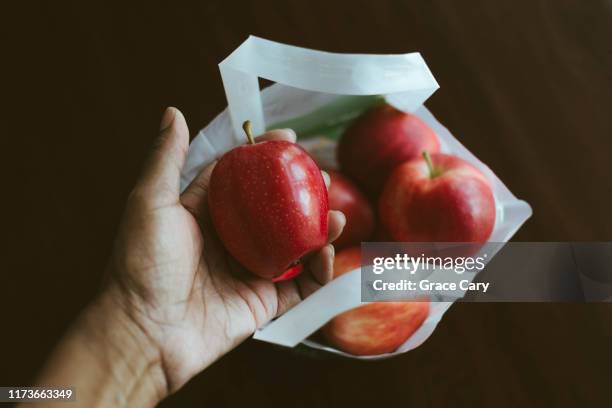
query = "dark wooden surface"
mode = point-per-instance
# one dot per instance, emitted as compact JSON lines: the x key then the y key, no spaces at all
{"x":526,"y":85}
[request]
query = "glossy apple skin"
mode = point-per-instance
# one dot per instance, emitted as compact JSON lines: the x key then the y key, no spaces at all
{"x":455,"y":206}
{"x":375,"y":328}
{"x":345,"y":196}
{"x":268,"y":203}
{"x":380,"y":140}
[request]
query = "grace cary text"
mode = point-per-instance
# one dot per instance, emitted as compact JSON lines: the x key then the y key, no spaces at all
{"x":428,"y":286}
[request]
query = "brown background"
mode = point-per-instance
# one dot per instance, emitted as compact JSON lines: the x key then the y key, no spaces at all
{"x":526,"y":85}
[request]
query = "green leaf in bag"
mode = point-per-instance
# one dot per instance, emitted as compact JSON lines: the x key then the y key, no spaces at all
{"x":330,"y":120}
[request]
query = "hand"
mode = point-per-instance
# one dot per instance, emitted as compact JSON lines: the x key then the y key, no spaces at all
{"x":172,"y":277}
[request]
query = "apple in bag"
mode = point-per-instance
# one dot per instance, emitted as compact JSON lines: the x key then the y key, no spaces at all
{"x":437,"y":198}
{"x":345,"y":196}
{"x":374,"y":328}
{"x":378,"y":141}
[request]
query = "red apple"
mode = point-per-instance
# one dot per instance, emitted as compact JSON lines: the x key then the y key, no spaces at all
{"x":437,"y":198}
{"x":380,"y":140}
{"x":375,"y":328}
{"x":268,"y":203}
{"x":344,"y":196}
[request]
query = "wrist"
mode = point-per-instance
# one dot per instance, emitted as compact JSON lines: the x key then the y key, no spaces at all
{"x":131,"y":359}
{"x":107,"y":358}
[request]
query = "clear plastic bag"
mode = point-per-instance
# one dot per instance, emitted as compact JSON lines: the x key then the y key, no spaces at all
{"x":311,"y":89}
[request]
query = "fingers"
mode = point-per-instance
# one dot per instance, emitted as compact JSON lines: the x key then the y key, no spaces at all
{"x":322,"y":265}
{"x":160,"y":181}
{"x":288,"y":295}
{"x":278,"y":134}
{"x":335,"y":221}
{"x":194,"y":198}
{"x":320,"y":270}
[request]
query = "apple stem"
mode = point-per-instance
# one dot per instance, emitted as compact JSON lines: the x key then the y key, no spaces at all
{"x":432,"y":170}
{"x":249,"y":132}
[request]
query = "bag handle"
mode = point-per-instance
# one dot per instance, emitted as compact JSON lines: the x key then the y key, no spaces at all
{"x":404,"y":79}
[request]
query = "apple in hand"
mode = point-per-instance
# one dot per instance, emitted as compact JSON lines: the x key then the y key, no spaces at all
{"x":380,"y":140}
{"x":268,"y":203}
{"x":344,"y":196}
{"x":374,"y":328}
{"x":437,"y":198}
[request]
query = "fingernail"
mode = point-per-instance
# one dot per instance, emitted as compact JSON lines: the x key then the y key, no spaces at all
{"x":291,"y":132}
{"x":326,"y":178}
{"x":167,"y":119}
{"x":342,"y":217}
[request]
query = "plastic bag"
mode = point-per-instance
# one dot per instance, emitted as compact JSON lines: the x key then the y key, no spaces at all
{"x":312,"y":88}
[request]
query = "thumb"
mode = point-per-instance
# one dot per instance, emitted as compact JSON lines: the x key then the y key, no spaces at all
{"x":159,"y":184}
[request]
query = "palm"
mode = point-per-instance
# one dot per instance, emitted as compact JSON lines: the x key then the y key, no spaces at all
{"x":190,"y":301}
